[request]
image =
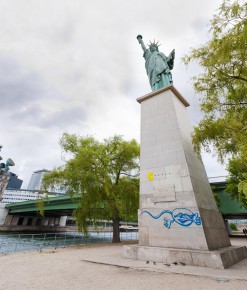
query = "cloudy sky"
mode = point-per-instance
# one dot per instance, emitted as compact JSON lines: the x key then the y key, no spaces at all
{"x":76,"y":66}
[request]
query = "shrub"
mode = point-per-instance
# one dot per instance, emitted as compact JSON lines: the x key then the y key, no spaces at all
{"x":233,"y":226}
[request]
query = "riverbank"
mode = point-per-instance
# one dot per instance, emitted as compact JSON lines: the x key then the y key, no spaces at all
{"x":20,"y":242}
{"x":102,"y":267}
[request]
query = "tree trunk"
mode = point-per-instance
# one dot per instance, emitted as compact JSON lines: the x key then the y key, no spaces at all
{"x":116,"y":231}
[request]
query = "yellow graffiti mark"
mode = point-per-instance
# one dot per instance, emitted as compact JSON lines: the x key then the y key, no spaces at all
{"x":150,"y":176}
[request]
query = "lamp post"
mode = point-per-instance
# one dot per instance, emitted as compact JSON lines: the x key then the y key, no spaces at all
{"x":4,"y":173}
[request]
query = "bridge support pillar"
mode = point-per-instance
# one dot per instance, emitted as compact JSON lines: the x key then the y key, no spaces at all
{"x":14,"y":220}
{"x":8,"y":220}
{"x":45,"y":222}
{"x":24,"y":223}
{"x":62,"y":222}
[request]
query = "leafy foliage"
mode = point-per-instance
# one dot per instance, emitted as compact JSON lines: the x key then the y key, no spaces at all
{"x":105,"y":174}
{"x":223,"y":84}
{"x":233,"y":226}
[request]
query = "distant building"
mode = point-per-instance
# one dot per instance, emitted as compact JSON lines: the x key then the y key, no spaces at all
{"x":36,"y":179}
{"x":14,"y":182}
{"x":19,"y":195}
{"x":36,"y":182}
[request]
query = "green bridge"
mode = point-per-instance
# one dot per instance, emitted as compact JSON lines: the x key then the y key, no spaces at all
{"x":23,"y":213}
{"x":230,"y":208}
{"x":54,"y":206}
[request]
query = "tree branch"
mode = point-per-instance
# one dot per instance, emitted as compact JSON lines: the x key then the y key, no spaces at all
{"x":128,"y":174}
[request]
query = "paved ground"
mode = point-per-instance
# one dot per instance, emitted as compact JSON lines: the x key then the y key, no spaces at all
{"x":102,"y":267}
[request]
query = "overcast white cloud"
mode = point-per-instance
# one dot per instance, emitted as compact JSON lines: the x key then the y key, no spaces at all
{"x":76,"y":66}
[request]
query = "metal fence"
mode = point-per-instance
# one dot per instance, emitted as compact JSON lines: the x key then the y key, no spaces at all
{"x":23,"y":242}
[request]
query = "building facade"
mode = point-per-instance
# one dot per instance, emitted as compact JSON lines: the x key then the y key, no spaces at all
{"x":14,"y":182}
{"x":19,"y":195}
{"x":36,"y":179}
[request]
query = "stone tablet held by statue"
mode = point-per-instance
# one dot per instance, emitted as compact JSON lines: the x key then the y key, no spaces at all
{"x":158,"y":65}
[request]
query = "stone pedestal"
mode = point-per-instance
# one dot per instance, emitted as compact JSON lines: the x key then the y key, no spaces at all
{"x":3,"y":213}
{"x":178,"y":218}
{"x":4,"y":179}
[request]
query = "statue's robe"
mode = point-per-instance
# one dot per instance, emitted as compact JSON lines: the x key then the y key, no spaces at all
{"x":158,"y":68}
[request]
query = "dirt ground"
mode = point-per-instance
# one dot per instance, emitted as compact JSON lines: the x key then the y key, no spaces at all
{"x":102,"y":267}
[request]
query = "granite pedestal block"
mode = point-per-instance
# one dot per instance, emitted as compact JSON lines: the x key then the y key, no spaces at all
{"x":218,"y":259}
{"x":178,"y":216}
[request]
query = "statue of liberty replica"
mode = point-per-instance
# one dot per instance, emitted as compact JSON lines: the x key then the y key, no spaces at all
{"x":4,"y":174}
{"x":178,"y":219}
{"x":158,"y":65}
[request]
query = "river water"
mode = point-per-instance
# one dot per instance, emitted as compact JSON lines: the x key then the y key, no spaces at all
{"x":10,"y":243}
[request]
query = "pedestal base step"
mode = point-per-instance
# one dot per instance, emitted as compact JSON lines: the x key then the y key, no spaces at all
{"x":219,"y":259}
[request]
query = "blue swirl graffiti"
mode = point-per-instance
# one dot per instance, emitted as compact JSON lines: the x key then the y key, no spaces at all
{"x":182,"y":216}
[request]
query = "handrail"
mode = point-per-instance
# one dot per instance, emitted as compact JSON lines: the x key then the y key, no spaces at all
{"x":23,"y":242}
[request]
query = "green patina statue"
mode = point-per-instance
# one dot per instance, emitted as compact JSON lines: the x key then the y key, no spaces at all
{"x":158,"y":66}
{"x":4,"y":174}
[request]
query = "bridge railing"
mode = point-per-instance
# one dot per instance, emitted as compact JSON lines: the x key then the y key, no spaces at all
{"x":24,"y":242}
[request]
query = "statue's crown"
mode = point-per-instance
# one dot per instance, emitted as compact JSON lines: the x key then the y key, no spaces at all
{"x":156,"y":44}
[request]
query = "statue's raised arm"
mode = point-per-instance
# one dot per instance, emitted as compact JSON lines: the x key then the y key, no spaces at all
{"x":157,"y":65}
{"x":139,"y":38}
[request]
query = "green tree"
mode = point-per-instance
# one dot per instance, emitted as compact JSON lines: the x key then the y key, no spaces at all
{"x":223,"y":86}
{"x":105,"y":174}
